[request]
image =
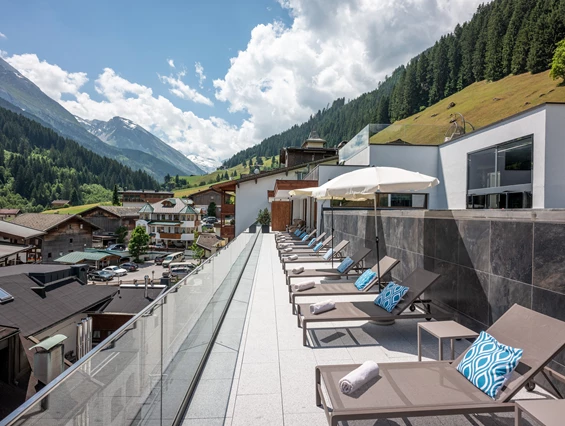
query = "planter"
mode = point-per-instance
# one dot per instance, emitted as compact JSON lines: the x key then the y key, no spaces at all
{"x":253,"y":229}
{"x":265,"y":229}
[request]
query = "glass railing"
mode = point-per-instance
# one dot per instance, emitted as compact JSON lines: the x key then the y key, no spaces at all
{"x":145,"y":372}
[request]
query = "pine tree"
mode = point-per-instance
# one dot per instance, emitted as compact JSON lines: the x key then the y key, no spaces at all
{"x":453,"y":61}
{"x":75,"y":198}
{"x":493,"y":54}
{"x":383,"y":116}
{"x":115,"y":197}
{"x":424,"y":79}
{"x":439,"y":71}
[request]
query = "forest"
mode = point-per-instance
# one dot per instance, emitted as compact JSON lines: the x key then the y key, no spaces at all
{"x":38,"y":166}
{"x":503,"y":37}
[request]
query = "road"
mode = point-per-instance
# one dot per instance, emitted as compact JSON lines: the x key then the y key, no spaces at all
{"x":147,"y":268}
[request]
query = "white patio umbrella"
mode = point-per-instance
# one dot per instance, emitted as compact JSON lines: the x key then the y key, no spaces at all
{"x":363,"y":184}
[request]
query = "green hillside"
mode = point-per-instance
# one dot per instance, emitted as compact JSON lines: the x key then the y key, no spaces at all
{"x":481,"y":104}
{"x":503,"y":38}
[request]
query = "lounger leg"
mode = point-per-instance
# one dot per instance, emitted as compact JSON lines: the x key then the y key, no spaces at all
{"x":517,"y":416}
{"x":304,"y":333}
{"x":452,"y":350}
{"x":419,"y":343}
{"x":440,"y":350}
{"x":318,"y":384}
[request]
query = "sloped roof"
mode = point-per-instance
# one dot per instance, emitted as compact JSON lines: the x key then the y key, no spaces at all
{"x":79,"y":256}
{"x":179,"y":206}
{"x":31,"y":313}
{"x":208,"y":241}
{"x":46,"y":222}
{"x":118,"y":211}
{"x":131,"y":300}
{"x":147,"y":208}
{"x":18,"y":231}
{"x":10,"y":211}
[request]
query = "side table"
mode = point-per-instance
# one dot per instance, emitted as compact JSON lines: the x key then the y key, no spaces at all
{"x":443,"y":330}
{"x":547,"y":412}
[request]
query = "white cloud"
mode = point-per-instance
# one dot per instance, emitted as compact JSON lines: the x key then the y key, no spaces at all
{"x":184,"y":91}
{"x":52,"y":79}
{"x":334,"y":48}
{"x":2,"y":35}
{"x":200,"y":74}
{"x":171,"y":63}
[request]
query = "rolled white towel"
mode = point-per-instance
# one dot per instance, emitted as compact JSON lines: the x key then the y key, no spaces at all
{"x":303,"y":286}
{"x":284,"y":245}
{"x":292,"y":257}
{"x":298,"y":270}
{"x":358,"y":377}
{"x":287,"y":250}
{"x":318,"y":308}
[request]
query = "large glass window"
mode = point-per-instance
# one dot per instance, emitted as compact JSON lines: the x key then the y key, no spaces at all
{"x":500,"y":177}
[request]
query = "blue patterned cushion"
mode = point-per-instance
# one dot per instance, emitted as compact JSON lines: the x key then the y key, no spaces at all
{"x":488,"y":363}
{"x":328,"y":254}
{"x":312,"y":241}
{"x":318,"y":247}
{"x":303,"y":234}
{"x":297,"y":232}
{"x":305,"y":237}
{"x":390,"y":296}
{"x":347,"y":262}
{"x":363,"y":281}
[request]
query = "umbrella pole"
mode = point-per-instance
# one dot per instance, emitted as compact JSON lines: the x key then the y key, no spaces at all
{"x":377,"y":242}
{"x":332,"y":256}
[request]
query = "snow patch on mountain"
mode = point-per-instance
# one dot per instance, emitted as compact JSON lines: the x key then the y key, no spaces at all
{"x":206,"y":164}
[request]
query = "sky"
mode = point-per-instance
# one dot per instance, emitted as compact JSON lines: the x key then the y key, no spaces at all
{"x":212,"y":78}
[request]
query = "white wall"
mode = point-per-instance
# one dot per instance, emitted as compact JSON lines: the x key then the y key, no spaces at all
{"x":251,"y":196}
{"x":453,"y":156}
{"x":554,"y":190}
{"x":416,"y":158}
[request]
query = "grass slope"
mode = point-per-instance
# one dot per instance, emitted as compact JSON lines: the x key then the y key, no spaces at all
{"x":196,"y":180}
{"x":76,"y":209}
{"x":481,"y":104}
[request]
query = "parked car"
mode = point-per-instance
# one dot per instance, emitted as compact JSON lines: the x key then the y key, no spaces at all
{"x":159,"y":246}
{"x":100,"y":276}
{"x":116,"y":270}
{"x":173,"y":257}
{"x":159,"y":259}
{"x":211,"y":220}
{"x":117,"y":247}
{"x":129,"y":266}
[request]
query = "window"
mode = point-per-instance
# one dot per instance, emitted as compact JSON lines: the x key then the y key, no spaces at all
{"x":70,"y":240}
{"x":388,"y":201}
{"x":500,"y":177}
{"x":48,"y":255}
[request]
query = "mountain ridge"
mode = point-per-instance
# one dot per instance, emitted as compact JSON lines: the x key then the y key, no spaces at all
{"x":123,"y":133}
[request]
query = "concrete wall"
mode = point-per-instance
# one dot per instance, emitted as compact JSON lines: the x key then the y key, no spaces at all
{"x":488,"y":259}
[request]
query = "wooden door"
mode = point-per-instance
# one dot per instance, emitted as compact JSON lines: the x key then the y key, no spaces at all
{"x":281,"y":213}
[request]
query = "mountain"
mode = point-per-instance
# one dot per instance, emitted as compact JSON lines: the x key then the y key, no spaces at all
{"x":125,"y":134}
{"x":504,"y":37}
{"x":37,"y":165}
{"x":206,"y":164}
{"x":25,"y":95}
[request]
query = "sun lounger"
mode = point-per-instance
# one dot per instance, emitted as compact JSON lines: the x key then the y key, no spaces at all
{"x":344,"y":288}
{"x":355,"y":267}
{"x":315,"y":257}
{"x":300,"y":243}
{"x":294,"y":239}
{"x":304,"y":250}
{"x":418,"y":281}
{"x":436,"y":388}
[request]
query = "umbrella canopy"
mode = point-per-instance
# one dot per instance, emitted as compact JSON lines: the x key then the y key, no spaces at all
{"x":362,"y":184}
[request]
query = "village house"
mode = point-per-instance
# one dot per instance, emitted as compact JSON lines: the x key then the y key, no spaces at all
{"x":171,"y":221}
{"x":63,"y":233}
{"x":139,"y":197}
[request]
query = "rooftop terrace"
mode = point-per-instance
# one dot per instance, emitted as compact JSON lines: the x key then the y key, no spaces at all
{"x":257,"y":372}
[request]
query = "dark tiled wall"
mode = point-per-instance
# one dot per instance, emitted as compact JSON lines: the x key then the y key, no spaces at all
{"x":486,"y":265}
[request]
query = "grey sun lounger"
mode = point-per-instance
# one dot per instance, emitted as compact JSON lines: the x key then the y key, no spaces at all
{"x":296,"y":240}
{"x":356,"y":266}
{"x":345,"y":288}
{"x":436,"y":388}
{"x":418,"y":282}
{"x":315,"y":257}
{"x":304,"y":250}
{"x":300,"y":244}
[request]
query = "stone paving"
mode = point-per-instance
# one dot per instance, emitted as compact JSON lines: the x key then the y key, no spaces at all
{"x":273,"y":381}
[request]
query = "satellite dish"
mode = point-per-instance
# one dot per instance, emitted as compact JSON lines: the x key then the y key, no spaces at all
{"x":256,"y":171}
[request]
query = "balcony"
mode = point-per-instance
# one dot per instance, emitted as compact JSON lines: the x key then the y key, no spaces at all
{"x":169,"y":236}
{"x":227,"y":231}
{"x":228,"y":209}
{"x":231,"y":315}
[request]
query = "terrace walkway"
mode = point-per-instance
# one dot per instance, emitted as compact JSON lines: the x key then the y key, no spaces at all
{"x":273,"y":382}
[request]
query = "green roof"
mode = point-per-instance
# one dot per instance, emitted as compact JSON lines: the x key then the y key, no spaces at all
{"x":188,"y":210}
{"x":79,"y":256}
{"x":165,"y":223}
{"x":146,"y":209}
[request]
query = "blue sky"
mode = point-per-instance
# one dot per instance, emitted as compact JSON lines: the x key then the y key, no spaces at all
{"x":268,"y":64}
